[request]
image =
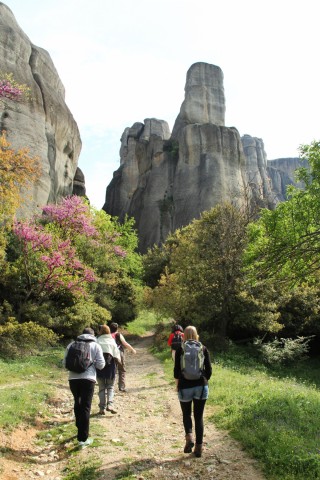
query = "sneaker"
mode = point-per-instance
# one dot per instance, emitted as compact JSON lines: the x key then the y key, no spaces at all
{"x":122,"y":390}
{"x":85,"y":444}
{"x":102,"y":412}
{"x":111,"y":409}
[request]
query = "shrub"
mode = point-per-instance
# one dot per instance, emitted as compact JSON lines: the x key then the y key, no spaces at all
{"x":18,"y":339}
{"x":284,"y":350}
{"x":74,"y":319}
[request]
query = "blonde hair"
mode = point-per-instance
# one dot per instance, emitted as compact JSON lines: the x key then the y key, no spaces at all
{"x":190,"y":333}
{"x":104,"y":330}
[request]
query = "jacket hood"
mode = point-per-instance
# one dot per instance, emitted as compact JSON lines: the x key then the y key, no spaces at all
{"x":87,"y":337}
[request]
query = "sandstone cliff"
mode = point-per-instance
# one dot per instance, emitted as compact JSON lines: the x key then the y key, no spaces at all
{"x":44,"y":123}
{"x":166,"y":180}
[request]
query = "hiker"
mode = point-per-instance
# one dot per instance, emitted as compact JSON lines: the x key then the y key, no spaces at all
{"x":82,"y":384}
{"x":107,"y":375}
{"x":175,"y":339}
{"x":192,"y":386}
{"x":122,"y":345}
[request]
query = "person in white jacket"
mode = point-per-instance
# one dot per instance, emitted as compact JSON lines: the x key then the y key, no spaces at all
{"x":106,"y":376}
{"x":82,"y":386}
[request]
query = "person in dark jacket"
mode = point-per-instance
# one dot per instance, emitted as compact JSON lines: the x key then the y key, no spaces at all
{"x":192,"y":392}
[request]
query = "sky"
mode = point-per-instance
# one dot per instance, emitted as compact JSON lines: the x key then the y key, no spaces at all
{"x":122,"y":61}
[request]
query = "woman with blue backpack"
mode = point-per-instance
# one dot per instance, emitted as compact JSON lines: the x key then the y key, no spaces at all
{"x":192,"y":371}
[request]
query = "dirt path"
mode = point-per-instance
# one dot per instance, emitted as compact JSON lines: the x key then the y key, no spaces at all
{"x":144,"y":439}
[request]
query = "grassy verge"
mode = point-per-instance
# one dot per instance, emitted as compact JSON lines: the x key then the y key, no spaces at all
{"x":25,"y":386}
{"x":273,"y":413}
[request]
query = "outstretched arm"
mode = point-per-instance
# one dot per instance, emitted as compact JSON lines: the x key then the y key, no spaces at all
{"x":126,"y":344}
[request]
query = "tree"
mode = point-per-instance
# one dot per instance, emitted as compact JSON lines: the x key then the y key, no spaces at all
{"x":285,"y":243}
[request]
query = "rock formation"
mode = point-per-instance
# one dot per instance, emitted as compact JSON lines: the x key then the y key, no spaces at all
{"x":44,"y":123}
{"x":165,"y":181}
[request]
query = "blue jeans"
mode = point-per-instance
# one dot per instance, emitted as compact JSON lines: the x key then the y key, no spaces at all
{"x":201,"y":392}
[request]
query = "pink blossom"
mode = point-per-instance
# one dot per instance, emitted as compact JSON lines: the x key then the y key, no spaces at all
{"x":33,"y":234}
{"x":119,"y":251}
{"x":73,"y":214}
{"x":8,"y":91}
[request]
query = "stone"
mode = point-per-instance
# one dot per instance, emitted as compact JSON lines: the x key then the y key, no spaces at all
{"x":165,"y":181}
{"x":44,"y":123}
{"x":204,"y":100}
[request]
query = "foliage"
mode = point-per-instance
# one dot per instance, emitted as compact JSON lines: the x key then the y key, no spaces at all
{"x":71,"y":268}
{"x":21,"y":339}
{"x":283,"y":350}
{"x":18,"y":172}
{"x":154,"y":262}
{"x":203,"y":282}
{"x":10,"y":89}
{"x":285,"y":243}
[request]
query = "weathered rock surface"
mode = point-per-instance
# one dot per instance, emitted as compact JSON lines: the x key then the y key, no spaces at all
{"x":165,"y":181}
{"x":204,"y":100}
{"x":44,"y":123}
{"x":79,"y":186}
{"x":281,"y":172}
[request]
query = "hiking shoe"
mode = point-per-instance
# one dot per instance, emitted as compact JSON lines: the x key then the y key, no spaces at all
{"x":111,"y":409}
{"x":85,"y":444}
{"x":102,"y":412}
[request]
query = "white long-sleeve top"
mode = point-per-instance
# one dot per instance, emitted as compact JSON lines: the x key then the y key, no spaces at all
{"x":97,"y":358}
{"x":108,"y":345}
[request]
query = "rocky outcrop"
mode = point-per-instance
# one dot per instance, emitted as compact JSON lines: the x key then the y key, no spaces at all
{"x":281,"y":172}
{"x":79,"y":185}
{"x":44,"y":123}
{"x":204,"y":100}
{"x":165,"y":181}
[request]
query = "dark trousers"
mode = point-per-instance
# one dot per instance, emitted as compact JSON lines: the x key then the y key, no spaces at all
{"x":82,"y":391}
{"x":198,"y":409}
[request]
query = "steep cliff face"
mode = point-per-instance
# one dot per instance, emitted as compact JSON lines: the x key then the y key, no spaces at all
{"x":165,"y":181}
{"x":43,"y":123}
{"x":281,"y":172}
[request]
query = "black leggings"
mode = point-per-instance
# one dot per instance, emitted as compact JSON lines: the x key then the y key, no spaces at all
{"x":198,"y":408}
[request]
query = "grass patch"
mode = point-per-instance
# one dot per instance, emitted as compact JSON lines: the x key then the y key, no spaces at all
{"x":274,"y":413}
{"x":79,"y":469}
{"x":25,"y":386}
{"x":145,"y":322}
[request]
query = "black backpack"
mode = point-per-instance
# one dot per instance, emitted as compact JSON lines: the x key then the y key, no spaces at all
{"x":176,"y":340}
{"x":78,"y":357}
{"x":109,"y":370}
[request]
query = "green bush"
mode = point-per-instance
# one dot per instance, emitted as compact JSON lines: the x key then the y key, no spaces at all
{"x":18,"y":339}
{"x":74,"y":319}
{"x":284,"y":350}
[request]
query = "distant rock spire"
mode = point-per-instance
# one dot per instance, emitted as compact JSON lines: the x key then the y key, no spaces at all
{"x":204,"y":100}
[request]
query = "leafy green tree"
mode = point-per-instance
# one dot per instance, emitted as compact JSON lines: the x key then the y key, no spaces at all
{"x":69,"y":267}
{"x":204,"y":281}
{"x":285,"y":242}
